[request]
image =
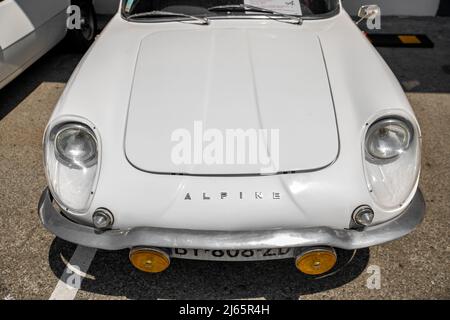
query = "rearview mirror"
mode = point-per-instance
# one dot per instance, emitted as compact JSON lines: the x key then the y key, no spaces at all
{"x":370,"y":11}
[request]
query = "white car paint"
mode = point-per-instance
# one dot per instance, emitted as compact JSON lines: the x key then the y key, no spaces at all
{"x":113,"y":83}
{"x":226,"y":75}
{"x":28,"y":29}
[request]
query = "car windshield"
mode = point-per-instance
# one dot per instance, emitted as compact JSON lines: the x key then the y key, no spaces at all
{"x":146,"y":10}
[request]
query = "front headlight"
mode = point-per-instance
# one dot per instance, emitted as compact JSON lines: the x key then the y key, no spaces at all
{"x":388,"y":139}
{"x":392,"y":160}
{"x":76,"y":146}
{"x":71,"y":161}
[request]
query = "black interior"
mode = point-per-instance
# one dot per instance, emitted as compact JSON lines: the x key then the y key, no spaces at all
{"x":199,"y":7}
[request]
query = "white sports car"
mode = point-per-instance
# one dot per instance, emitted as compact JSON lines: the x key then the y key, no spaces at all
{"x":232,"y":130}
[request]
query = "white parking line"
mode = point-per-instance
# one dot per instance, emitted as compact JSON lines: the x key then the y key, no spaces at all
{"x":74,"y":273}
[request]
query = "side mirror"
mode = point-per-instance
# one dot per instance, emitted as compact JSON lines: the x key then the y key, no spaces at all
{"x":370,"y":11}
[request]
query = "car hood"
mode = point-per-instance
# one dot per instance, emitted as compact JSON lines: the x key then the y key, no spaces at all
{"x":195,"y":91}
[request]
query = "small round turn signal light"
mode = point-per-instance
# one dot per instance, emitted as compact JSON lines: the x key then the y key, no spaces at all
{"x":363,"y":216}
{"x":149,"y":259}
{"x":102,"y":219}
{"x":316,"y":261}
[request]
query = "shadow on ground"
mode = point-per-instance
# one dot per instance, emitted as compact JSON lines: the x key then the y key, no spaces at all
{"x":115,"y":276}
{"x":56,"y":66}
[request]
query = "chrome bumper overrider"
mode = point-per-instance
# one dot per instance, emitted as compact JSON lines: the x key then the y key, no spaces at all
{"x":65,"y":229}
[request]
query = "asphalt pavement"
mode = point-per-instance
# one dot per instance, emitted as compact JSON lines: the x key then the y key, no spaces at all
{"x":33,"y":262}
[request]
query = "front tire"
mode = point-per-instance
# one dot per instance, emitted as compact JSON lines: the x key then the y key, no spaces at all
{"x":81,"y":39}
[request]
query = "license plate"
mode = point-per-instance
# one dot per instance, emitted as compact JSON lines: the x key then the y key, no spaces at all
{"x":233,"y":255}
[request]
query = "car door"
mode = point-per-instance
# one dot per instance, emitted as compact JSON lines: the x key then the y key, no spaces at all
{"x":19,"y":21}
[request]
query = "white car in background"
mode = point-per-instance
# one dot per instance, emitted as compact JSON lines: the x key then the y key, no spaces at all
{"x":30,"y":28}
{"x":128,"y":149}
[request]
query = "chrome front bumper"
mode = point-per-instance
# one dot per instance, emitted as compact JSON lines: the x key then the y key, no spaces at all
{"x":65,"y":229}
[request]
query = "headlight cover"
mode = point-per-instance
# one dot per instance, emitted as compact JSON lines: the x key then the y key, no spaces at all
{"x":392,"y":160}
{"x":71,"y":162}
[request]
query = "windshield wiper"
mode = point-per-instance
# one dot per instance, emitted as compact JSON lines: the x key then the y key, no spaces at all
{"x":248,"y":7}
{"x":204,"y":21}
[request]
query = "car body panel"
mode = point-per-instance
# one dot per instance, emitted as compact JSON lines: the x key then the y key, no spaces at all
{"x":28,"y":29}
{"x":211,"y":75}
{"x":362,"y":87}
